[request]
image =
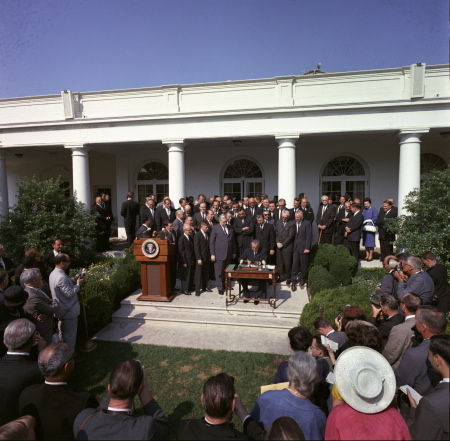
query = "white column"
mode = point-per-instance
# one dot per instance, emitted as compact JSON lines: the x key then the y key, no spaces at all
{"x":80,"y":173}
{"x":176,"y":170}
{"x":409,"y":169}
{"x":287,"y":167}
{"x":4,"y":205}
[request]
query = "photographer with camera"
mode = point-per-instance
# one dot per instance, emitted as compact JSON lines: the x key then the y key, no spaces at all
{"x":388,"y":285}
{"x":386,"y":316}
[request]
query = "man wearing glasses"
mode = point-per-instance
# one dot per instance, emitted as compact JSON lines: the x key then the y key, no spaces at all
{"x":65,"y":293}
{"x":414,"y":279}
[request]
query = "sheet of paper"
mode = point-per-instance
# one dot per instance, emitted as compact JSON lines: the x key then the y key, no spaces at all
{"x":330,"y":378}
{"x":416,"y":396}
{"x":326,"y":341}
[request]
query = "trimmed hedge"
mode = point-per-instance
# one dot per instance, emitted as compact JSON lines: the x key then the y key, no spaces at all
{"x":107,"y":283}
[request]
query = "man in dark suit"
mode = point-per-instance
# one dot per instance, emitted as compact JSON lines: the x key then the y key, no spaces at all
{"x":324,"y":220}
{"x":415,"y":370}
{"x":438,"y":273}
{"x":302,"y":247}
{"x":168,"y":234}
{"x":114,"y":418}
{"x":148,"y":211}
{"x":165,"y":213}
{"x":53,"y":404}
{"x":253,"y":210}
{"x":145,"y":230}
{"x":129,"y":211}
{"x":200,"y":216}
{"x":265,"y":233}
{"x":353,"y":231}
{"x":243,"y":231}
{"x":17,"y":371}
{"x":49,"y":258}
{"x":201,"y":199}
{"x":202,"y":259}
{"x":308,"y":213}
{"x":253,"y":255}
{"x":342,"y":218}
{"x":222,"y":247}
{"x":186,"y":260}
{"x":284,"y":236}
{"x":277,"y":215}
{"x":295,"y":208}
{"x":386,"y":238}
{"x":429,"y":419}
{"x":99,"y":211}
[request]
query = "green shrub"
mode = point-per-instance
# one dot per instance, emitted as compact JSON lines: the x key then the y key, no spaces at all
{"x":369,"y":277}
{"x":319,"y":279}
{"x":332,"y":301}
{"x":341,"y":272}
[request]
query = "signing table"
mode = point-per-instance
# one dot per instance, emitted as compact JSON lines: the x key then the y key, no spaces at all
{"x":256,"y":272}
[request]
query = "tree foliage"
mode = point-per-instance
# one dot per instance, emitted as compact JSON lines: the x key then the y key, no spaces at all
{"x":43,"y":212}
{"x":426,"y":227}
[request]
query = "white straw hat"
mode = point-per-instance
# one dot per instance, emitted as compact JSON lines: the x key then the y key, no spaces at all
{"x":365,"y":379}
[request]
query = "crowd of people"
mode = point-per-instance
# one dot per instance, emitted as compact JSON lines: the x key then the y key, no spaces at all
{"x":341,"y":383}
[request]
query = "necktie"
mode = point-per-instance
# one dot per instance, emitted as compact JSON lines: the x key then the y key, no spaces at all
{"x":203,"y":215}
{"x":262,"y":226}
{"x":284,"y":224}
{"x":298,"y":226}
{"x":253,"y":211}
{"x":323,"y":209}
{"x":225,"y":231}
{"x":168,"y":212}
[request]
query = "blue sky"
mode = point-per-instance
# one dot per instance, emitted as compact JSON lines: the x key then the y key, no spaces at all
{"x":85,"y":45}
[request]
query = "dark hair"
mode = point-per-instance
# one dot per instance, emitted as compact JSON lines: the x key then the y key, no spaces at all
{"x":367,"y":200}
{"x":29,"y":262}
{"x":402,"y":256}
{"x":284,"y":428}
{"x":32,"y":251}
{"x":19,"y":428}
{"x":358,"y":206}
{"x":321,"y":322}
{"x":300,"y":338}
{"x":203,"y":223}
{"x":352,"y":313}
{"x":433,"y":318}
{"x":218,"y":395}
{"x":389,"y":302}
{"x":167,"y":222}
{"x":55,"y":239}
{"x":411,"y":301}
{"x":125,"y":380}
{"x":361,"y":333}
{"x":60,"y":258}
{"x":130,"y":194}
{"x":428,"y":256}
{"x":318,"y":339}
{"x":440,"y":345}
{"x":387,"y":201}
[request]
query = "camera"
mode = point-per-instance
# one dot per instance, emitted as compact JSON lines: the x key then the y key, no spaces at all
{"x":80,"y":274}
{"x":394,"y":264}
{"x":375,"y":300}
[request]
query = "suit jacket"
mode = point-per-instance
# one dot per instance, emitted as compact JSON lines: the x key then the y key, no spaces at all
{"x":338,"y":337}
{"x":326,"y":218}
{"x":152,"y":425}
{"x":340,"y":226}
{"x":415,"y":369}
{"x":55,"y":408}
{"x":388,"y":286}
{"x":10,"y":266}
{"x":16,"y":373}
{"x":308,"y":213}
{"x":285,"y":234}
{"x":381,"y":222}
{"x":400,"y":339}
{"x":39,"y":303}
{"x":385,"y":326}
{"x":430,"y":419}
{"x":303,"y":238}
{"x":248,"y":213}
{"x":49,"y":262}
{"x":355,"y":224}
{"x":100,"y":219}
{"x":65,"y":292}
{"x":248,"y":254}
{"x":145,"y":212}
{"x":201,"y":247}
{"x":198,"y":218}
{"x":199,"y":429}
{"x":186,"y":251}
{"x":266,"y":236}
{"x":161,"y":216}
{"x":420,"y":283}
{"x":144,"y":232}
{"x":166,"y":235}
{"x":129,"y":211}
{"x":178,"y":225}
{"x":438,"y":273}
{"x":220,"y":245}
{"x":243,"y":237}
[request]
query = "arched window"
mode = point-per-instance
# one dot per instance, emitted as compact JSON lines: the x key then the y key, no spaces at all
{"x":430,"y":162}
{"x":341,"y":175}
{"x":242,"y":178}
{"x":152,"y":178}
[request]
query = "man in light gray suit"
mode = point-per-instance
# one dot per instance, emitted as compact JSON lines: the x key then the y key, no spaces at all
{"x":222,"y":246}
{"x":65,"y":293}
{"x":400,"y":337}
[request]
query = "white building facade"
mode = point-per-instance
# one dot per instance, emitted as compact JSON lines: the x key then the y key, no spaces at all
{"x":370,"y":133}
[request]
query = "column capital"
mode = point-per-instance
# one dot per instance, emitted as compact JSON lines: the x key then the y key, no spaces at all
{"x":287,"y":141}
{"x":404,"y":134}
{"x":80,"y":149}
{"x":281,"y":136}
{"x":174,"y":144}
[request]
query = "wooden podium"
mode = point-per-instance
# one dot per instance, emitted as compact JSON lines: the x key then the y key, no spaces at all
{"x":155,"y":256}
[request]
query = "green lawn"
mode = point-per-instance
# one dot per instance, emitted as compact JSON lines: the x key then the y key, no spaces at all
{"x":176,"y":375}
